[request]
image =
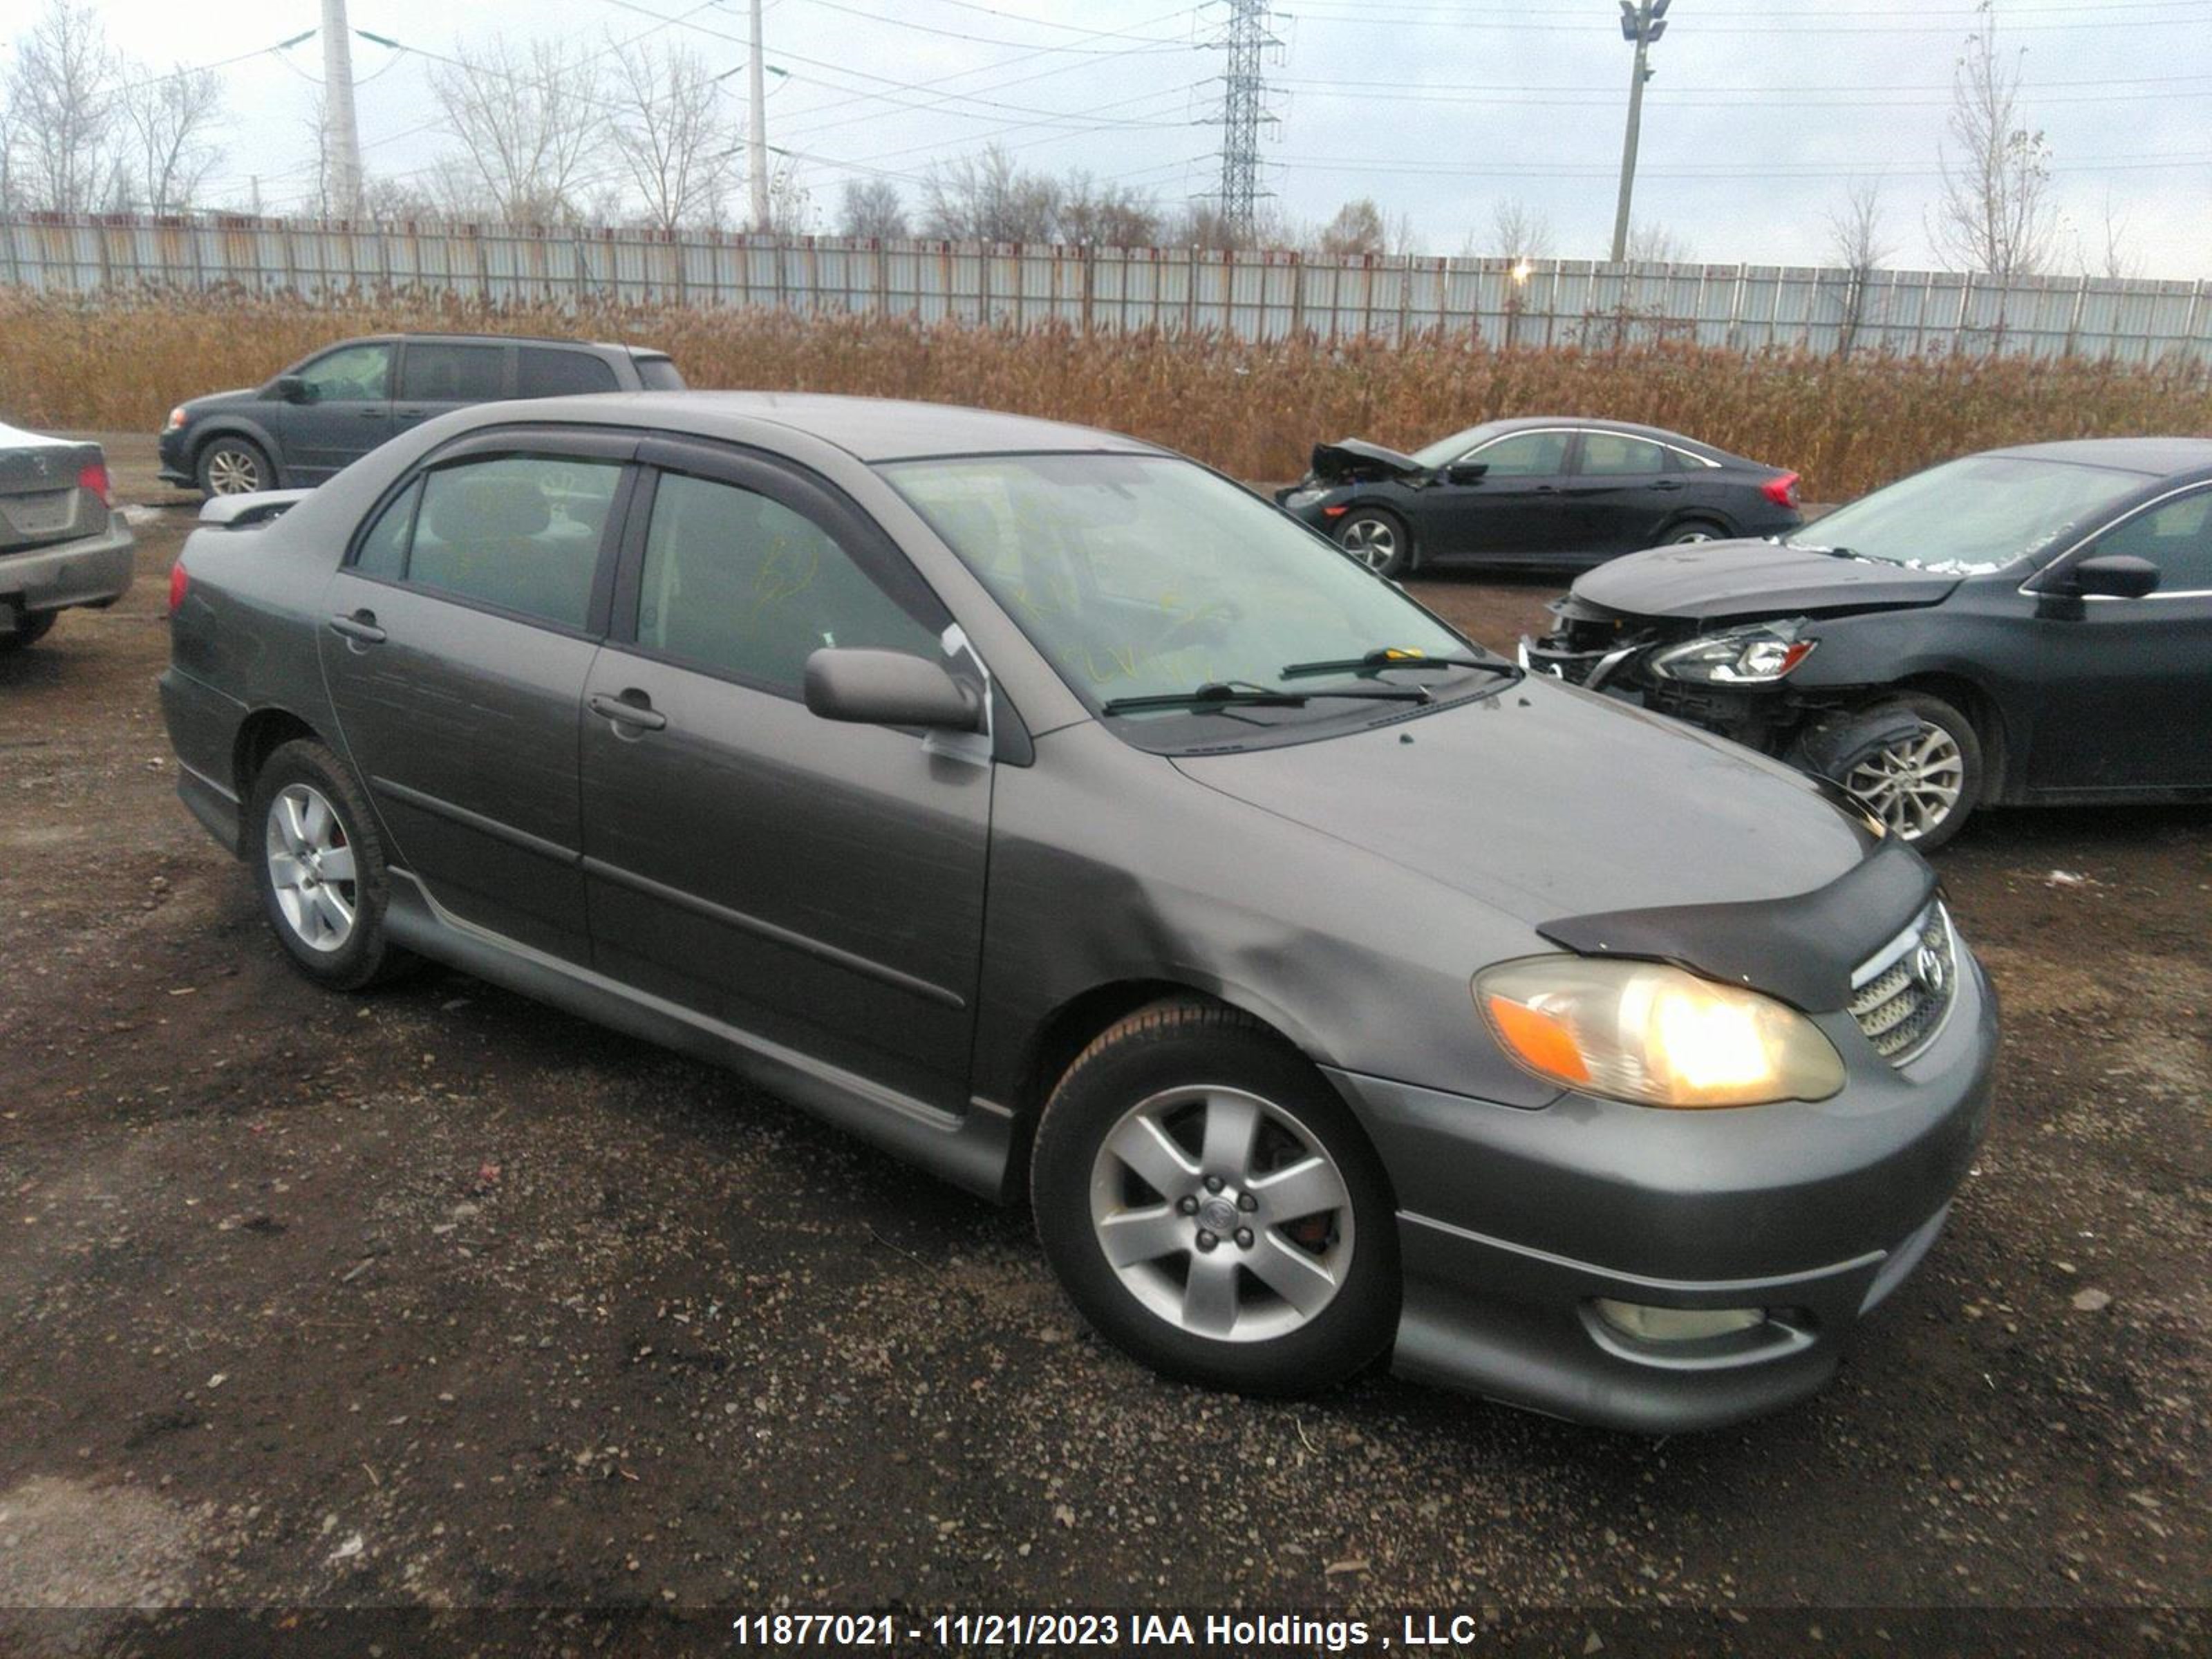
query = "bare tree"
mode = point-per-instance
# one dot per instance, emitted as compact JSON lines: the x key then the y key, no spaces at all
{"x":987,"y":197}
{"x":166,"y":124}
{"x":63,"y":96}
{"x":1202,"y":224}
{"x":1651,"y":243}
{"x":1995,"y":213}
{"x":790,"y":204}
{"x":668,"y":137}
{"x":1859,"y":245}
{"x":1517,"y":232}
{"x":1106,"y":215}
{"x":871,"y":208}
{"x":530,"y":125}
{"x":2116,"y":261}
{"x":1357,"y":229}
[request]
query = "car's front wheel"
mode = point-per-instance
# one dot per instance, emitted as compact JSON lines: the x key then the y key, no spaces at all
{"x":319,"y":865}
{"x":1212,"y":1207}
{"x":1923,"y":786}
{"x":235,"y":466}
{"x":1377,"y":540}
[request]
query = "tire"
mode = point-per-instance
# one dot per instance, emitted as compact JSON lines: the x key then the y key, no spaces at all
{"x":309,"y":821}
{"x":233,"y":466}
{"x":1695,"y":530}
{"x":1378,"y":539}
{"x":1926,"y":787}
{"x":1305,"y":1206}
{"x":30,"y":628}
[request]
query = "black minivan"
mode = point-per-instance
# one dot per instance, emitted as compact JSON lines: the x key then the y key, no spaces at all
{"x":333,"y":408}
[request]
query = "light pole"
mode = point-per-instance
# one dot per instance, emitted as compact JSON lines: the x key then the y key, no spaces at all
{"x":1641,"y":21}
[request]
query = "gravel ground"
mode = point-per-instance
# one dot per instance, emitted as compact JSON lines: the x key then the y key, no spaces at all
{"x":438,"y":1298}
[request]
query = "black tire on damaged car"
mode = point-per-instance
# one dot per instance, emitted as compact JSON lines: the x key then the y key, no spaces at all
{"x":323,"y":885}
{"x":1169,"y":1067}
{"x":1926,"y":786}
{"x":1378,"y":539}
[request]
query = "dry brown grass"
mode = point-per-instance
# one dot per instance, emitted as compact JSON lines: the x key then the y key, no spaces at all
{"x":1253,"y":410}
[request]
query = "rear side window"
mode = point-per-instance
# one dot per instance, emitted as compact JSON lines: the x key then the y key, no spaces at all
{"x":519,"y":533}
{"x":435,"y":373}
{"x":383,"y":551}
{"x":542,"y":373}
{"x":1610,"y":455}
{"x":658,"y":374}
{"x":741,"y":585}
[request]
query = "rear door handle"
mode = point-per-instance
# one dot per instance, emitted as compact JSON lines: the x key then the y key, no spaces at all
{"x":361,"y":627}
{"x":1667,"y":483}
{"x":631,"y":708}
{"x":374,"y":412}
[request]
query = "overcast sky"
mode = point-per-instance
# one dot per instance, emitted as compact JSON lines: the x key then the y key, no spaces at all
{"x":1758,"y":120}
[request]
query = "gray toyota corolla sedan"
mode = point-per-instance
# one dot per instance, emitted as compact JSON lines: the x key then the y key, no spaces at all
{"x":1055,"y":813}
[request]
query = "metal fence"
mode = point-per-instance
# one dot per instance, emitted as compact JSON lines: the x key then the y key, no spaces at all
{"x":1256,"y":295}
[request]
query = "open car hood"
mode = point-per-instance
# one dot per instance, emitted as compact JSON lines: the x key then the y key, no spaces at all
{"x":1354,"y":460}
{"x":1713,"y":581}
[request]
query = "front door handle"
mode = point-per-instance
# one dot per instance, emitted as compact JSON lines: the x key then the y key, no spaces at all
{"x":360,"y":626}
{"x":632,"y":708}
{"x":1667,"y":483}
{"x":374,"y":412}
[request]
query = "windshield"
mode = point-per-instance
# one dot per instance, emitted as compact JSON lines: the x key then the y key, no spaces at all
{"x":1146,"y":576}
{"x":1445,"y":451}
{"x":1968,"y":517}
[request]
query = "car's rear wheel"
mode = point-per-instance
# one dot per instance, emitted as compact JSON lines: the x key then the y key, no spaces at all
{"x":1696,"y":530}
{"x":1923,"y":786}
{"x":1377,"y":540}
{"x":1213,"y":1208}
{"x":235,"y":466}
{"x":30,"y":628}
{"x":319,"y":865}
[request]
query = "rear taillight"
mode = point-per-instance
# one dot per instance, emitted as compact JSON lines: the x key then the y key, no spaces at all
{"x":94,"y":478}
{"x":179,"y":584}
{"x":1782,"y":491}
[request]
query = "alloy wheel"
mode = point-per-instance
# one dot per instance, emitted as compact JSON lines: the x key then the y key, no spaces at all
{"x":1222,"y":1213}
{"x":311,"y":867}
{"x":1373,"y":542}
{"x":1912,"y":786}
{"x":232,"y":472}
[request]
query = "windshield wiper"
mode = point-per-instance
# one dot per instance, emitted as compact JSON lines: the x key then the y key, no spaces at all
{"x":1218,"y":694}
{"x":1391,"y":656}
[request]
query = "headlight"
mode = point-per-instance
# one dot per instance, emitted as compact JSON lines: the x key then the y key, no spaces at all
{"x":1298,"y":498}
{"x":1758,"y":655}
{"x":1646,"y":1032}
{"x":176,"y":418}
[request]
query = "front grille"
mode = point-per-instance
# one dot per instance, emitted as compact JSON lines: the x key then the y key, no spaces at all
{"x":1902,"y":994}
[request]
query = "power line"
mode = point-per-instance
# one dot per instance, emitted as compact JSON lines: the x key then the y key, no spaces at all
{"x":992,"y":40}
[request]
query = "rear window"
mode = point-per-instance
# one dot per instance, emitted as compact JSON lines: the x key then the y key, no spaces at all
{"x":658,"y":374}
{"x":430,"y":372}
{"x":539,"y":373}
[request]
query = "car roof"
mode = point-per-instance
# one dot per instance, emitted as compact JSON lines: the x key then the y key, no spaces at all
{"x":2152,"y":457}
{"x":869,"y":428}
{"x":507,"y":339}
{"x":1591,"y":423}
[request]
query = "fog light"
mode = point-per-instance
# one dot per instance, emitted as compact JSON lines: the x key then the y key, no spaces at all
{"x":1676,"y":1324}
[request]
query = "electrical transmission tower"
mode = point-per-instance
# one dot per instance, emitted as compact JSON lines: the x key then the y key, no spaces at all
{"x":341,"y":133}
{"x":1244,"y":107}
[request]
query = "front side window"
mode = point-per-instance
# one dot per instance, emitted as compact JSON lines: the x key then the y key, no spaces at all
{"x":738,"y":583}
{"x":1141,"y":575}
{"x":1525,"y":455}
{"x":435,"y":373}
{"x":357,"y":373}
{"x":519,"y":533}
{"x":1611,"y":455}
{"x":542,"y":372}
{"x":2176,"y":536}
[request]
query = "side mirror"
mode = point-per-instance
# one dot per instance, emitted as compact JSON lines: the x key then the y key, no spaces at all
{"x":889,"y":688}
{"x":290,"y":388}
{"x":1466,"y":472}
{"x":2114,"y":576}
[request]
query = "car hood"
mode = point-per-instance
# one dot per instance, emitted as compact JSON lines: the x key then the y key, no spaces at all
{"x":1546,"y":801}
{"x":206,"y":401}
{"x":1354,"y":460}
{"x":1748,"y":578}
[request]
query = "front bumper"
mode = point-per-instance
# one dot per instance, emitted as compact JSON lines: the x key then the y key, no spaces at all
{"x":175,"y":448}
{"x":1513,"y":1223}
{"x":92,"y":570}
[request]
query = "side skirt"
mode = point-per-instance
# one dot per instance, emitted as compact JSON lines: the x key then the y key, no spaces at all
{"x":972,"y":1150}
